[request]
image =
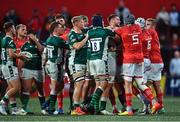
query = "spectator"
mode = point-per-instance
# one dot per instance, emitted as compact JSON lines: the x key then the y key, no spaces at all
{"x":122,"y":11}
{"x":46,"y":25}
{"x":174,"y":19}
{"x":50,"y":16}
{"x":45,"y":31}
{"x":67,"y":15}
{"x":35,"y":22}
{"x":175,"y":65}
{"x":11,"y":16}
{"x":175,"y":41}
{"x":163,"y":15}
{"x":162,"y":25}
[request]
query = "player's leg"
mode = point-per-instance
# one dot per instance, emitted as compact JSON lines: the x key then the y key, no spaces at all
{"x":156,"y":84}
{"x":60,"y":95}
{"x":38,"y":77}
{"x":104,"y":98}
{"x":128,"y":94}
{"x":128,"y":73}
{"x":85,"y":89}
{"x":119,"y":86}
{"x":99,"y":68}
{"x":10,"y":73}
{"x":159,"y":95}
{"x":27,"y":85}
{"x":145,"y":90}
{"x":52,"y":71}
{"x":71,"y":91}
{"x":79,"y":78}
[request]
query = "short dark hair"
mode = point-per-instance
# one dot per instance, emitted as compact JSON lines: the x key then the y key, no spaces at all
{"x":54,"y":25}
{"x":7,"y":26}
{"x":58,"y":16}
{"x":130,"y":19}
{"x":85,"y":18}
{"x":97,"y":20}
{"x":112,"y":16}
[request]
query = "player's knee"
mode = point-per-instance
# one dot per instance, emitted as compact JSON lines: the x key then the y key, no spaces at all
{"x":141,"y":84}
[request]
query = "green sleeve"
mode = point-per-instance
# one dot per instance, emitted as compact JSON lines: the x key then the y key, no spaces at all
{"x":61,"y":44}
{"x":110,"y":32}
{"x":10,"y":43}
{"x":72,"y":39}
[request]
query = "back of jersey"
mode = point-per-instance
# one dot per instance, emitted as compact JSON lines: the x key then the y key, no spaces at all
{"x":98,"y":43}
{"x":132,"y":45}
{"x":52,"y":44}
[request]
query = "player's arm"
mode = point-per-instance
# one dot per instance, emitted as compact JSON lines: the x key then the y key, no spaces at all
{"x":20,"y":66}
{"x":62,"y":44}
{"x":75,"y":44}
{"x":44,"y":56}
{"x":36,"y":41}
{"x":79,"y":45}
{"x":12,"y":54}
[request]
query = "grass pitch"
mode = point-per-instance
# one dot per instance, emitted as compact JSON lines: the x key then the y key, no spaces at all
{"x":172,"y":106}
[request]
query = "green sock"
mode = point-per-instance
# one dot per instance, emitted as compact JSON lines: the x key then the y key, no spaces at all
{"x":25,"y":100}
{"x":103,"y":105}
{"x":52,"y":103}
{"x":41,"y":101}
{"x":95,"y":99}
{"x":75,"y":105}
{"x":13,"y":105}
{"x":5,"y":98}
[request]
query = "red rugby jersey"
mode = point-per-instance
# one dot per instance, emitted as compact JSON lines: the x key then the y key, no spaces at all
{"x":155,"y":53}
{"x":132,"y":45}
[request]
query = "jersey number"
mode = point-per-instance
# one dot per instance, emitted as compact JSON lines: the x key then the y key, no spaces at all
{"x":3,"y":54}
{"x":135,"y":39}
{"x":50,"y":51}
{"x":149,"y":45}
{"x":95,"y":44}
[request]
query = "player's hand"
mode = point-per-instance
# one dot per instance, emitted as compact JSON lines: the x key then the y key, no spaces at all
{"x":23,"y":57}
{"x":33,"y":37}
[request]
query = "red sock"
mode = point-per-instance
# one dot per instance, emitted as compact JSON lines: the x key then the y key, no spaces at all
{"x":129,"y":99}
{"x":60,"y":100}
{"x":160,"y":99}
{"x":135,"y":90}
{"x":148,"y":94}
{"x":112,"y":97}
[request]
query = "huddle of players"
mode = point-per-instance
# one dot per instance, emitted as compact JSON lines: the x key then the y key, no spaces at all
{"x":91,"y":58}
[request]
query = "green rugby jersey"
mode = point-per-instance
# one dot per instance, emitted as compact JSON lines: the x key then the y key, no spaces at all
{"x":1,"y":37}
{"x":7,"y":43}
{"x":77,"y":56}
{"x":35,"y":62}
{"x":55,"y":46}
{"x":98,"y":43}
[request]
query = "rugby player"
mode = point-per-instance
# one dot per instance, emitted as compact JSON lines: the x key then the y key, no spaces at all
{"x":9,"y":68}
{"x":133,"y":63}
{"x":31,"y":70}
{"x":156,"y":62}
{"x":97,"y":60}
{"x":77,"y":61}
{"x":54,"y":47}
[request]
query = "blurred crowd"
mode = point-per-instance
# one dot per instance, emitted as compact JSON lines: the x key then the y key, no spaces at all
{"x":168,"y":26}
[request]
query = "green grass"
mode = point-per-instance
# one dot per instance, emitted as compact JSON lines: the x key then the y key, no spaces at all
{"x":172,"y":105}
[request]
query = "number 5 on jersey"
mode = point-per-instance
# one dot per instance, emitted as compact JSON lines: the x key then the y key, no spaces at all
{"x":135,"y":39}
